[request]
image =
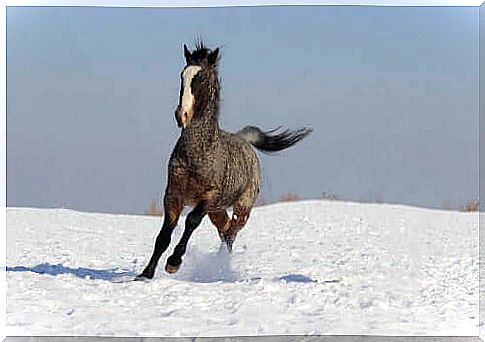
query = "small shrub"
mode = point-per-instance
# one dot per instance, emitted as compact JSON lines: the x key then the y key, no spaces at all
{"x":155,"y":209}
{"x":329,"y":196}
{"x":288,"y":197}
{"x":471,"y":206}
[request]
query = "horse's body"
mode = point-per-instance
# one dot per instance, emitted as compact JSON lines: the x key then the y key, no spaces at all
{"x":210,"y":169}
{"x":228,"y":169}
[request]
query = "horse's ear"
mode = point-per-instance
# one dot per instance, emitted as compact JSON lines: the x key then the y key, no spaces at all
{"x":212,"y":58}
{"x":187,"y":54}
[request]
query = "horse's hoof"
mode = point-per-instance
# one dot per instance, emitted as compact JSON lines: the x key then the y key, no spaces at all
{"x":171,"y":269}
{"x":143,"y":277}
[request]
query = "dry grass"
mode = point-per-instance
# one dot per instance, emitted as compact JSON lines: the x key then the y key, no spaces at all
{"x":288,"y":197}
{"x":155,"y":208}
{"x":329,"y":196}
{"x":473,"y":205}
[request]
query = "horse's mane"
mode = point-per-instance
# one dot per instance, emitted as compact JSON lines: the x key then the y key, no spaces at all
{"x":201,"y":52}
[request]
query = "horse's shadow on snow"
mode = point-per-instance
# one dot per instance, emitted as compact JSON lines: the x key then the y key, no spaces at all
{"x":80,"y":272}
{"x":197,"y":268}
{"x":200,"y":268}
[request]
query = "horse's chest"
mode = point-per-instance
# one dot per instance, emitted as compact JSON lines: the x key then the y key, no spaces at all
{"x":197,"y":188}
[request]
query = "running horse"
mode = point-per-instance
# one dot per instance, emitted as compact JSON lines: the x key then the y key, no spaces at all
{"x":210,"y":169}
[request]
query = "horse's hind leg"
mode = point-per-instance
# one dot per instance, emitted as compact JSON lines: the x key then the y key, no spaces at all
{"x":191,"y":223}
{"x":239,"y":218}
{"x":221,"y":220}
{"x":240,"y":213}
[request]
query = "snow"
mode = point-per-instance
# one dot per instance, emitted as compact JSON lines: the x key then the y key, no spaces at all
{"x":312,"y":267}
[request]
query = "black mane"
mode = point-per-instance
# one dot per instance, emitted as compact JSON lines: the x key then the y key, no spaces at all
{"x":201,"y":52}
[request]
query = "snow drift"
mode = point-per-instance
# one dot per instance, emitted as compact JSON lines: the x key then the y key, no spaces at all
{"x":313,"y":267}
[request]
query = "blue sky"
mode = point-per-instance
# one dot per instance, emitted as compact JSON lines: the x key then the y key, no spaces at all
{"x":391,"y":92}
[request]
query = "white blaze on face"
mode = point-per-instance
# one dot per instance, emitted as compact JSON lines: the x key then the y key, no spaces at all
{"x":187,"y":97}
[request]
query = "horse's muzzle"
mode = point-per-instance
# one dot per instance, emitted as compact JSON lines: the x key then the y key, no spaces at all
{"x":182,"y":117}
{"x":178,"y":117}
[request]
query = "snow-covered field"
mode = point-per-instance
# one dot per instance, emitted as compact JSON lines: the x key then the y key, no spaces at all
{"x":313,"y":267}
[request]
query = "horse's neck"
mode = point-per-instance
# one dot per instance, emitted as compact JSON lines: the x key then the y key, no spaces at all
{"x":201,"y":136}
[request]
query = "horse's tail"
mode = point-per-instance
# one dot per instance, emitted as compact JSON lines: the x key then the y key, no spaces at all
{"x":272,"y":141}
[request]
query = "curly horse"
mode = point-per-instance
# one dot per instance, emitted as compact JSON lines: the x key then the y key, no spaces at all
{"x":210,"y":169}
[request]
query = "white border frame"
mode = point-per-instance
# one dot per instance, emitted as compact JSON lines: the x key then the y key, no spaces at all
{"x":148,"y":3}
{"x":229,"y":3}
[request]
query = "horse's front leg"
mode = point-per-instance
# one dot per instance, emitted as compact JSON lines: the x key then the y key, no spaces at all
{"x":173,"y":206}
{"x":193,"y":220}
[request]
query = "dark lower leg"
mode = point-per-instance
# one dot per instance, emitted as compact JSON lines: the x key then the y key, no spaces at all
{"x":228,"y":239}
{"x":191,"y":223}
{"x":161,"y":244}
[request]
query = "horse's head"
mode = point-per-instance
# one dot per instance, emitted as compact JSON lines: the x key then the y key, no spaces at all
{"x":199,"y":86}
